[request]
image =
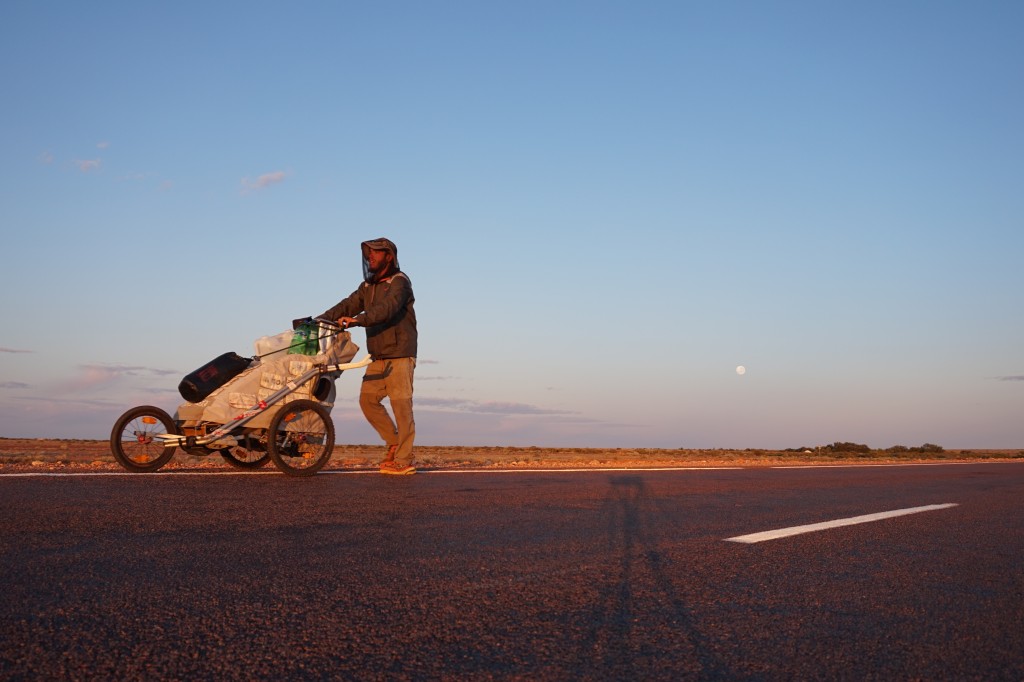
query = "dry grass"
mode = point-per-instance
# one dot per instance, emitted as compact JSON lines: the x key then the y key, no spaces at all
{"x":33,"y":454}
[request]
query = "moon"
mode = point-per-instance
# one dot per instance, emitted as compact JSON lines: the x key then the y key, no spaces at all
{"x":741,"y":370}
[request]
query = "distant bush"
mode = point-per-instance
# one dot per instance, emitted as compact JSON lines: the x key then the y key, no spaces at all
{"x":847,"y":447}
{"x":926,"y":448}
{"x":861,"y":449}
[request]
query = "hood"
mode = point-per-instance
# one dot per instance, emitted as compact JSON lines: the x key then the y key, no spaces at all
{"x":379,"y":244}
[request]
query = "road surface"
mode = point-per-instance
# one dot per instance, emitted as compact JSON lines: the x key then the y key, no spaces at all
{"x":517,"y":575}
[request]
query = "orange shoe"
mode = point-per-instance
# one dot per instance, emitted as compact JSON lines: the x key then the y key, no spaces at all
{"x":395,"y":469}
{"x":389,"y":456}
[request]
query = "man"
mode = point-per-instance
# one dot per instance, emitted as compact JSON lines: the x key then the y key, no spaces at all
{"x":383,"y":304}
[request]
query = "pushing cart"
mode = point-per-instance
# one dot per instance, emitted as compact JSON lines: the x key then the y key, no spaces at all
{"x":275,"y":406}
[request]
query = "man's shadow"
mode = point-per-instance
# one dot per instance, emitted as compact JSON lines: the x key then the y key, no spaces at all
{"x":617,"y":637}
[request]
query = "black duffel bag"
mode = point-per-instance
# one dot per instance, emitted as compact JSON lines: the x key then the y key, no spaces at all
{"x":211,"y":376}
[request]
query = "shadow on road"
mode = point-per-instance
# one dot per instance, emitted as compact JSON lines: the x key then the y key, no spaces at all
{"x":640,"y":614}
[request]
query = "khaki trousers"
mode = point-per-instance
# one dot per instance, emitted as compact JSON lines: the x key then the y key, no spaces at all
{"x":391,"y":379}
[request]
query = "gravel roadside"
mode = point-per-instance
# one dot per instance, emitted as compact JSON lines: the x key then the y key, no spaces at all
{"x":27,"y":454}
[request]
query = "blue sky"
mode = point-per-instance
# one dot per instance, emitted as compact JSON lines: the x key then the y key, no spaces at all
{"x":604,"y":207}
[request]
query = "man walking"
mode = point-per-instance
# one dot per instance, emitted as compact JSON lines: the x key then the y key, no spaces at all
{"x":383,"y":304}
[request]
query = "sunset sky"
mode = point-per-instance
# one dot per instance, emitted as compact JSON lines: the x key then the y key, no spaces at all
{"x":605,"y":208}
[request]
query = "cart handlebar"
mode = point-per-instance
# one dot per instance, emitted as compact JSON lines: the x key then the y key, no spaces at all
{"x":350,"y":365}
{"x":327,"y":323}
{"x":299,"y":321}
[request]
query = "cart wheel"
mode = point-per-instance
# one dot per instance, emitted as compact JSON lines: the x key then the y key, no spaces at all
{"x":247,"y":454}
{"x":133,"y":440}
{"x":301,"y":437}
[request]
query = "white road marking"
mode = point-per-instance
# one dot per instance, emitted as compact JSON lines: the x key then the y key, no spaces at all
{"x":889,"y":464}
{"x":271,"y":471}
{"x":825,"y":525}
{"x":347,"y":472}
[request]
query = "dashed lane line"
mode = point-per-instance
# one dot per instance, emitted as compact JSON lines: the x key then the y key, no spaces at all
{"x":825,"y":525}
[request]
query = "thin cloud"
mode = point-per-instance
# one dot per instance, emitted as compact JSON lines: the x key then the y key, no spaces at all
{"x":102,"y":145}
{"x":514,"y":408}
{"x":490,"y":407}
{"x":93,"y":376}
{"x":13,"y":350}
{"x":81,"y":402}
{"x":159,"y":391}
{"x":1013,"y":377}
{"x":87,"y":165}
{"x":13,"y":384}
{"x":489,"y":429}
{"x":263,"y":181}
{"x":46,"y":158}
{"x":447,"y":403}
{"x":131,"y":369}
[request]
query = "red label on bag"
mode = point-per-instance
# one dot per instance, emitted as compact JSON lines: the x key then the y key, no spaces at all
{"x":207,"y":373}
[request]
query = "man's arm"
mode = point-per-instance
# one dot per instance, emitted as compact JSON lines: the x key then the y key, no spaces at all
{"x":387,"y":307}
{"x":350,"y":306}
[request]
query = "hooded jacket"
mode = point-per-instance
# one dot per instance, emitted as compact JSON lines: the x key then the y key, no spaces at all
{"x":383,"y":304}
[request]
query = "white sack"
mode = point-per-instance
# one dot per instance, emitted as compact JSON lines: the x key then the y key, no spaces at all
{"x":267,"y":376}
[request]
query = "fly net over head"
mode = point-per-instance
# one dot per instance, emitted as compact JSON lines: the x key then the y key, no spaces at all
{"x":379,"y":244}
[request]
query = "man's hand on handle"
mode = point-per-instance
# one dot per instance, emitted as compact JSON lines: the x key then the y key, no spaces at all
{"x":342,"y":322}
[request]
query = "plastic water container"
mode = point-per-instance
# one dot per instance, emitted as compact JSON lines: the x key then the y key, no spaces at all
{"x":272,"y":344}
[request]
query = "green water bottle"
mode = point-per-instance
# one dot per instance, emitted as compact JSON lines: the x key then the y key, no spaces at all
{"x":305,"y":340}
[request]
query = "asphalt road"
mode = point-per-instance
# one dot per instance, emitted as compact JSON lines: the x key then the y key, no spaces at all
{"x":536,"y":576}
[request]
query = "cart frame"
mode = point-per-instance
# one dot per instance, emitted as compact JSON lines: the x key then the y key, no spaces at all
{"x":299,"y":438}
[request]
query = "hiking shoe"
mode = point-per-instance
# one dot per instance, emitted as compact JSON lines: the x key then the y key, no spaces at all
{"x":389,"y":456}
{"x":396,"y":469}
